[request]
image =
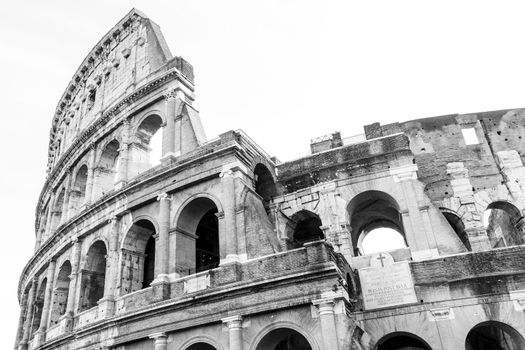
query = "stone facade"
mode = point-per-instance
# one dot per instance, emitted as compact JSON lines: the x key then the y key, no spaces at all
{"x":220,"y":246}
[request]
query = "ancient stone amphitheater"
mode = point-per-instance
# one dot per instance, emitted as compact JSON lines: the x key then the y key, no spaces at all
{"x":219,"y":246}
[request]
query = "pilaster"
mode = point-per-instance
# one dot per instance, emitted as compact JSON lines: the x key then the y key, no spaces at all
{"x":160,"y":341}
{"x":234,"y":324}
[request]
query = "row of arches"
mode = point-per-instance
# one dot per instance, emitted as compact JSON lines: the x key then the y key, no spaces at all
{"x":490,"y":335}
{"x":376,"y":224}
{"x":119,"y":159}
{"x":276,"y":339}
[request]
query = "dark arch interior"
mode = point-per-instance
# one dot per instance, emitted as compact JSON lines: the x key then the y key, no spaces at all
{"x":93,"y":276}
{"x":61,"y":292}
{"x":459,"y":227}
{"x":81,"y":181}
{"x":149,"y":263}
{"x":138,"y":256}
{"x":494,"y":336}
{"x":201,"y":346}
{"x":373,"y":210}
{"x":207,"y":245}
{"x":38,"y":306}
{"x":264,"y":184}
{"x":402,"y":342}
{"x":284,"y":339}
{"x":307,"y":228}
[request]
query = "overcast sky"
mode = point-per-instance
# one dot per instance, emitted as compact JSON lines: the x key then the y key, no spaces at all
{"x":283,"y":71}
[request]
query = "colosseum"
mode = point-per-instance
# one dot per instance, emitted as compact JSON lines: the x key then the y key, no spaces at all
{"x":409,"y":236}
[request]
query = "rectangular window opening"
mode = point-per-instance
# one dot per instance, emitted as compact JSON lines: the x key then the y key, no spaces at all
{"x":469,"y":134}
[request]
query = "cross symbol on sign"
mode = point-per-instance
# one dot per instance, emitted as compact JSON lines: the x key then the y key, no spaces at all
{"x":381,"y":257}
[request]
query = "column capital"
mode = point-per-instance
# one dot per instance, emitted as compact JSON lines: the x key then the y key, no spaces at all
{"x":158,"y":336}
{"x":173,"y":94}
{"x":164,"y":196}
{"x":326,"y":303}
{"x":233,"y":321}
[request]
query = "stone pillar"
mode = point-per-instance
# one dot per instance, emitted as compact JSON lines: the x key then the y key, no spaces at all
{"x":39,"y":237}
{"x":161,"y":282}
{"x":123,"y":155}
{"x":234,"y":324}
{"x":40,"y":335}
{"x":49,"y":219}
{"x":21,"y":319}
{"x":65,"y":205}
{"x":22,"y":345}
{"x":168,"y":131}
{"x":107,"y":303}
{"x":73,"y":283}
{"x":228,"y":231}
{"x":462,"y":189}
{"x":328,"y":325}
{"x":90,"y":175}
{"x":160,"y":341}
{"x":162,"y":250}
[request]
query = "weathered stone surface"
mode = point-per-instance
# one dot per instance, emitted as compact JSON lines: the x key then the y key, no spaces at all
{"x":219,"y":243}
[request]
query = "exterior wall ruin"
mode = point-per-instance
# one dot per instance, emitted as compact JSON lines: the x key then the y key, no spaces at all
{"x":221,"y":246}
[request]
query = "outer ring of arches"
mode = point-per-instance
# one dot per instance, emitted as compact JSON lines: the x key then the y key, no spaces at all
{"x":282,"y":324}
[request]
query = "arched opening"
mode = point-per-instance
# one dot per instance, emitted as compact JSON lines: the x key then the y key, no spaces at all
{"x":304,"y":226}
{"x":198,"y":230}
{"x":504,"y":224}
{"x":60,"y":293}
{"x":78,"y":192}
{"x":494,"y":335}
{"x":376,"y":223}
{"x":146,"y":148}
{"x":43,"y":223}
{"x":38,"y":306}
{"x":284,"y":339}
{"x":264,"y":184}
{"x":458,"y":226}
{"x":201,"y":346}
{"x":93,"y":276}
{"x":57,"y":209}
{"x":138,"y":257}
{"x":402,"y":341}
{"x":107,"y":169}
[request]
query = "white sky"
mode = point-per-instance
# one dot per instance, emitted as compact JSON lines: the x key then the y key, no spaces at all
{"x":283,"y":71}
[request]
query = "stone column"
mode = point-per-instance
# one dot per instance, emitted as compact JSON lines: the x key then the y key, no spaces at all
{"x":21,"y":319}
{"x":107,"y":303}
{"x":160,"y":341}
{"x":39,"y":236}
{"x":22,"y":345}
{"x":41,"y":333}
{"x":161,"y":282}
{"x":90,"y":175}
{"x":228,"y":234}
{"x":73,"y":282}
{"x":328,"y":326}
{"x":162,"y":251}
{"x":123,"y":155}
{"x":168,"y":132}
{"x":65,"y":205}
{"x":49,"y":219}
{"x":234,"y":324}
